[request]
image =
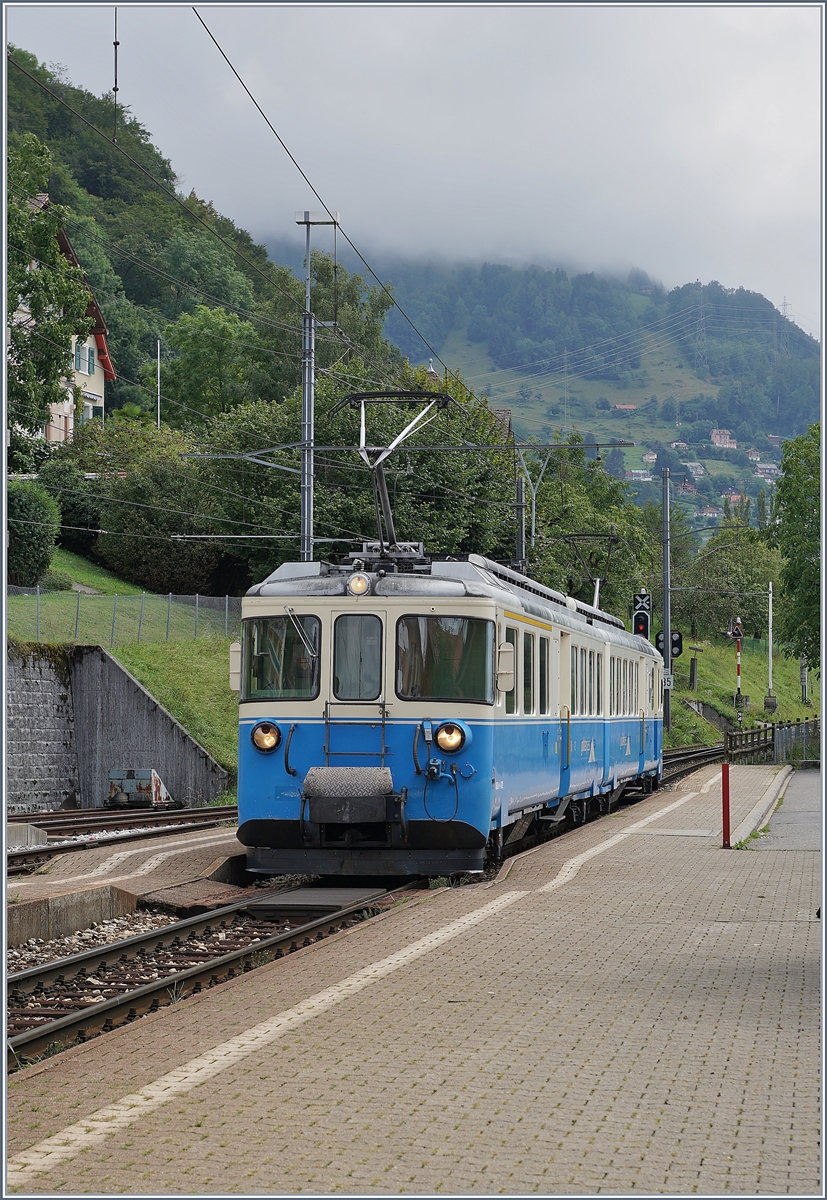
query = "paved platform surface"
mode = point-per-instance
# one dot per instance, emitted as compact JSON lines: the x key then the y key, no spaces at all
{"x":796,"y":825}
{"x":138,"y":867}
{"x":619,"y":1012}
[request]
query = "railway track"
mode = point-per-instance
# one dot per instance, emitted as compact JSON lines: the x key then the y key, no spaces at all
{"x":74,"y":999}
{"x":136,"y":825}
{"x":685,"y":759}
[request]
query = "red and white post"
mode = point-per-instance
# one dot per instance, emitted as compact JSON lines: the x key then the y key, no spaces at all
{"x":725,"y":804}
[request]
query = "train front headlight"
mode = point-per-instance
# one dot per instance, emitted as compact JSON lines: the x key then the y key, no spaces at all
{"x":266,"y":737}
{"x":450,"y":737}
{"x":358,"y":584}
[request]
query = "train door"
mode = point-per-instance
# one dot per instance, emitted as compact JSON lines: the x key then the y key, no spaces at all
{"x":355,"y":709}
{"x":567,"y":685}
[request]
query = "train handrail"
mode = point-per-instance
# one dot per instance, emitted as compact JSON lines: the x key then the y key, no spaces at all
{"x":568,"y":735}
{"x":290,"y":770}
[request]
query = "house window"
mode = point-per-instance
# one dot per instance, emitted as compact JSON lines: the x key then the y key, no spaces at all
{"x":91,"y":370}
{"x":78,"y":353}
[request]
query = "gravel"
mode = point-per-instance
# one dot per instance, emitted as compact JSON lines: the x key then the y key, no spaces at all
{"x":36,"y":951}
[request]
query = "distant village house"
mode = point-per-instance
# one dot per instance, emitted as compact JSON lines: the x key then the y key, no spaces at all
{"x":722,"y":439}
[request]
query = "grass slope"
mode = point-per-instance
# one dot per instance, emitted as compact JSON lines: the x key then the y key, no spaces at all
{"x":191,"y":680}
{"x":664,"y":372}
{"x":90,"y":575}
{"x":716,"y":681}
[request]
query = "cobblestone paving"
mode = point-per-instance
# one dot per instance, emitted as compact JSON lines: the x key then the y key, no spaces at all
{"x":650,"y":1026}
{"x":139,"y":867}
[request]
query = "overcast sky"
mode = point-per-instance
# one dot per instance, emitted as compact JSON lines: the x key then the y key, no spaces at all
{"x":683,"y":140}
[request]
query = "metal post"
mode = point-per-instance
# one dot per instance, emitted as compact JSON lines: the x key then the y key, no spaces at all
{"x":159,"y":382}
{"x":667,"y":612}
{"x":77,"y":616}
{"x":169,"y":613}
{"x":141,"y":615}
{"x":196,"y":614}
{"x":114,"y":614}
{"x":38,"y":613}
{"x":226,"y":614}
{"x":725,"y":804}
{"x":520,"y":543}
{"x":769,"y":640}
{"x":308,"y":368}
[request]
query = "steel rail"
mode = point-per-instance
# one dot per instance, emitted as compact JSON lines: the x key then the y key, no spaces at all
{"x":24,"y":860}
{"x":116,"y":1011}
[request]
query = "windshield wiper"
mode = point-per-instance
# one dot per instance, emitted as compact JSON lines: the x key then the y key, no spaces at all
{"x":308,"y":645}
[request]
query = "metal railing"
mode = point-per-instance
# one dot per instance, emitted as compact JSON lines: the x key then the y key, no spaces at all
{"x":786,"y":742}
{"x":41,"y":616}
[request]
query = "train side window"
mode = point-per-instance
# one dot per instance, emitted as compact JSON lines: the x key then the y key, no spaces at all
{"x":611,"y":685}
{"x":582,"y":696}
{"x":543,"y":680}
{"x":637,"y":690}
{"x":591,"y":683}
{"x":573,"y":680}
{"x":528,"y":672}
{"x":599,"y":683}
{"x":510,"y":697}
{"x":651,"y":689}
{"x":623,"y":687}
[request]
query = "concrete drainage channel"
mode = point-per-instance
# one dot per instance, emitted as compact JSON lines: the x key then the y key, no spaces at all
{"x":72,"y":1000}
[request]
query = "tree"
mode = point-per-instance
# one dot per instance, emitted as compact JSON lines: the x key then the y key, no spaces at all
{"x":76,"y":497}
{"x":47,"y":297}
{"x":797,"y":535}
{"x":34,"y":520}
{"x":213,"y":370}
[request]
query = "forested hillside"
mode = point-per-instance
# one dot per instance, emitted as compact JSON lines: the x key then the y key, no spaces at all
{"x":185,"y":508}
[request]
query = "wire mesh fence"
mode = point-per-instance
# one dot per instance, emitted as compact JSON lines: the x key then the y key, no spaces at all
{"x":34,"y":615}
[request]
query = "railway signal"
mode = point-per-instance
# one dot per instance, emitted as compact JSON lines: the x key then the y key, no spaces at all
{"x":676,"y":641}
{"x":640,"y":624}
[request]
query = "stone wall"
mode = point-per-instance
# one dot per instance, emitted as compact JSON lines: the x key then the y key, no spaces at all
{"x":74,"y":714}
{"x":42,"y":769}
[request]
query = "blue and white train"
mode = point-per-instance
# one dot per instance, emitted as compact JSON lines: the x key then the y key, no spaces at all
{"x":407,"y":716}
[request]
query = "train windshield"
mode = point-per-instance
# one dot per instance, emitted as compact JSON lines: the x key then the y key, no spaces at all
{"x":445,"y":658}
{"x":280,"y":658}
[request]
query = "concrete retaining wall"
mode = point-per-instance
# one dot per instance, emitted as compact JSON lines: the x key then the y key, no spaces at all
{"x":74,"y":715}
{"x":61,"y":916}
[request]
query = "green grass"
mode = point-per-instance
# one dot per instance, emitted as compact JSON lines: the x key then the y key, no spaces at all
{"x":689,"y":728}
{"x":59,"y":611}
{"x":716,"y":681}
{"x":191,"y":680}
{"x":90,"y":575}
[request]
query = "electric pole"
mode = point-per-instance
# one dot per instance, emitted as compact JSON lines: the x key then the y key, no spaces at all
{"x":701,"y":364}
{"x":667,"y":615}
{"x":309,"y":323}
{"x":520,"y":546}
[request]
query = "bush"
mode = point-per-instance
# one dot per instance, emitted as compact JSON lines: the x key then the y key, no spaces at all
{"x":78,"y":502}
{"x":34,"y":521}
{"x":56,"y":581}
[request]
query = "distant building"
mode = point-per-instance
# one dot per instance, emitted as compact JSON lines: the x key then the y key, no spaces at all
{"x":732,"y":496}
{"x":625,"y":407}
{"x":754,"y":455}
{"x":767,"y":470}
{"x":650,"y":457}
{"x":638,"y":476}
{"x":91,"y":365}
{"x":687,"y":488}
{"x":695,"y":469}
{"x":678,"y":446}
{"x":709,"y":510}
{"x":722,"y":439}
{"x":774,"y":439}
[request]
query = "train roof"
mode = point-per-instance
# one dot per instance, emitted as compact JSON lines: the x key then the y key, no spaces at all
{"x":472,"y":575}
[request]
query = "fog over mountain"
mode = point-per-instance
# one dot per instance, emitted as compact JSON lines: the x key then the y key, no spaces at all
{"x":683,"y":140}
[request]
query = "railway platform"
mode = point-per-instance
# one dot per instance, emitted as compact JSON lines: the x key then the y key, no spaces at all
{"x":626,"y":1009}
